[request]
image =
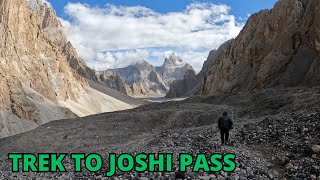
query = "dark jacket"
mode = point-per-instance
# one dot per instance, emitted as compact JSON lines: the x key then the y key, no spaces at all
{"x":225,"y":123}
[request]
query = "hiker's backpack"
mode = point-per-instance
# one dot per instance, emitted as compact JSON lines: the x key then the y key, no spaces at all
{"x":225,"y":123}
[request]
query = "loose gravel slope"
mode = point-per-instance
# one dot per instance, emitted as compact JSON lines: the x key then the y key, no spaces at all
{"x":274,"y":133}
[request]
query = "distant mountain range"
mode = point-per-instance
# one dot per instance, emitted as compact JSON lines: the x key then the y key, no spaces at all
{"x":143,"y":79}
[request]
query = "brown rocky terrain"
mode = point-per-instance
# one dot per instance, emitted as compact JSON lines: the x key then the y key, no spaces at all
{"x":37,"y":82}
{"x":29,"y":61}
{"x":277,"y":47}
{"x":52,"y":29}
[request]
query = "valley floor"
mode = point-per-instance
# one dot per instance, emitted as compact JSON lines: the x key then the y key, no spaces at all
{"x":274,"y":132}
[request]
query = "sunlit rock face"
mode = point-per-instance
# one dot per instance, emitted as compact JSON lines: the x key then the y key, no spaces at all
{"x":278,"y":47}
{"x":34,"y":67}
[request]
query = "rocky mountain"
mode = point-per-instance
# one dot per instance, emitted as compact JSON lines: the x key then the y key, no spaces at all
{"x":191,"y":82}
{"x":278,"y":47}
{"x":184,"y":87}
{"x":143,"y":79}
{"x":40,"y":70}
{"x":53,"y":30}
{"x":172,"y":69}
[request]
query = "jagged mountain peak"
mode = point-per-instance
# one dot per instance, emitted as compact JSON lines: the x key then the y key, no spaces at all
{"x":173,"y":61}
{"x":142,"y":66}
{"x":143,"y":63}
{"x":142,"y":78}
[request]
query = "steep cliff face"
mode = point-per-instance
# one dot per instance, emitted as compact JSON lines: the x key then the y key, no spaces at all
{"x":52,"y":28}
{"x":191,"y":83}
{"x":184,"y":87}
{"x":37,"y":81}
{"x":113,"y":80}
{"x":143,"y":79}
{"x":276,"y":47}
{"x":33,"y":71}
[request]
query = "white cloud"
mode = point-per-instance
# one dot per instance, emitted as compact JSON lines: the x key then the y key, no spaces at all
{"x":194,"y":31}
{"x":110,"y":60}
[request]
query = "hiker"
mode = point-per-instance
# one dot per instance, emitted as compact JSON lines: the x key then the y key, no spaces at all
{"x":225,"y":124}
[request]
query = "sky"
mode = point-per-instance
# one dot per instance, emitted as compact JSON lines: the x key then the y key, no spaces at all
{"x":117,"y":33}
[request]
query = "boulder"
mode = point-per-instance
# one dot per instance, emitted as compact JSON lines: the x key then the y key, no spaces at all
{"x":316,"y":148}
